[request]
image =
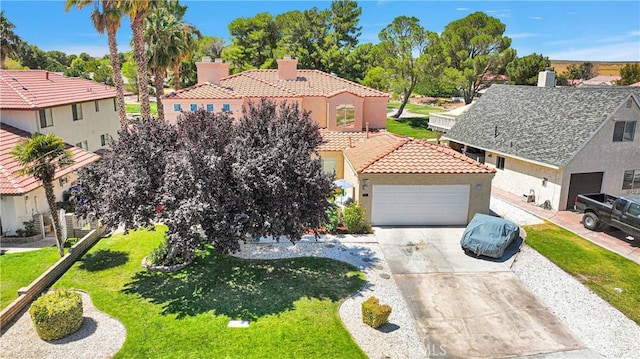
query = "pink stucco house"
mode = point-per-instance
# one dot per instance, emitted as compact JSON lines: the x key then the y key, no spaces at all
{"x":335,"y":103}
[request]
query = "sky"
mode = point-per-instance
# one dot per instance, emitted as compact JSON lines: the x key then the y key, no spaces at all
{"x":560,"y":30}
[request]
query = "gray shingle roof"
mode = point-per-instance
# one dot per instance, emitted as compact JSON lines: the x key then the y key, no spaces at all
{"x":546,"y":125}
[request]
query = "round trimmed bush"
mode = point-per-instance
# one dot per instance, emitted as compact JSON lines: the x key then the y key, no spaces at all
{"x":57,"y":314}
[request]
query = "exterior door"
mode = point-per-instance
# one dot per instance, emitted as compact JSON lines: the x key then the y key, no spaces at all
{"x":583,"y":183}
{"x":420,"y":205}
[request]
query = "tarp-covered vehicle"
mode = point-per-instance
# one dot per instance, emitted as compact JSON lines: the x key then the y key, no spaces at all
{"x":488,"y":236}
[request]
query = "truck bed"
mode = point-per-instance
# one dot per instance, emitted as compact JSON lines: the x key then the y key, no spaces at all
{"x":602,"y":198}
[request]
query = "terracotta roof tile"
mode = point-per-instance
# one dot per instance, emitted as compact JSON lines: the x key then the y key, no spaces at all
{"x":338,"y":141}
{"x":392,"y":154}
{"x":29,"y":89}
{"x":265,"y":83}
{"x":13,"y":184}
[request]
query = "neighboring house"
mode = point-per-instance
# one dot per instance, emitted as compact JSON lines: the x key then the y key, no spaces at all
{"x":23,"y":196}
{"x":401,"y":181}
{"x":79,"y":111}
{"x":552,"y":143}
{"x":443,"y":121}
{"x":601,"y":80}
{"x":335,"y":103}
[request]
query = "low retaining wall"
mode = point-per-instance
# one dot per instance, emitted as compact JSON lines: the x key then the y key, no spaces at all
{"x":33,"y":290}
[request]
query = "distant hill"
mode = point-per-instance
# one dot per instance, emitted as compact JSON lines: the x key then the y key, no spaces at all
{"x":602,"y":67}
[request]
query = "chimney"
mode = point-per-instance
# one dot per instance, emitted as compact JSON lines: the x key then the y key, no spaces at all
{"x":547,"y":78}
{"x":212,"y":71}
{"x":46,"y":75}
{"x":287,"y":68}
{"x":367,"y":127}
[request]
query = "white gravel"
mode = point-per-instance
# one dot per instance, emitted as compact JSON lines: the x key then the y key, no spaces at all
{"x":593,"y":321}
{"x":100,"y":336}
{"x":398,"y":338}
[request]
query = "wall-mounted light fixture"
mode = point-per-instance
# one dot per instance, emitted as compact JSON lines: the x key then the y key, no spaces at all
{"x":365,"y":184}
{"x":544,"y":181}
{"x":478,"y":186}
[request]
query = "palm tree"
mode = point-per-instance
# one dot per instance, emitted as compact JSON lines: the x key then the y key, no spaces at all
{"x":188,"y":46}
{"x":9,"y":41}
{"x":137,"y":11}
{"x":40,"y":157}
{"x":107,"y":20}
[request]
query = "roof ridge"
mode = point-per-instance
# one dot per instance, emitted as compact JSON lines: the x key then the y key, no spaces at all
{"x":19,"y":93}
{"x":384,"y":154}
{"x":207,"y":83}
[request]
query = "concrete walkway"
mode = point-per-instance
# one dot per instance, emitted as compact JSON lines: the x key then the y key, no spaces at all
{"x":25,"y":247}
{"x":507,"y":204}
{"x":406,"y":114}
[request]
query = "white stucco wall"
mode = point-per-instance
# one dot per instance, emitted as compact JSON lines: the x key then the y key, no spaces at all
{"x":601,"y":154}
{"x":17,"y":209}
{"x":520,"y":177}
{"x":92,"y":125}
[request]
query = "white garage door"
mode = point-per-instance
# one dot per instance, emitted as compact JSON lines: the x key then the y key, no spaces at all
{"x":420,"y":205}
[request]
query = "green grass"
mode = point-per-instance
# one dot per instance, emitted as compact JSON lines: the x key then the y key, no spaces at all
{"x":292,"y":303}
{"x":597,"y":268}
{"x":18,"y":270}
{"x":135,"y":108}
{"x":414,"y":108}
{"x":415,"y":127}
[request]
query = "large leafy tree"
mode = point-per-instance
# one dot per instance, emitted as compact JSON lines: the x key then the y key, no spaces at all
{"x":9,"y":41}
{"x":525,"y":70}
{"x":629,"y":74}
{"x":32,"y":57}
{"x":40,"y":157}
{"x":106,"y":17}
{"x":212,"y":179}
{"x":475,"y":51}
{"x":253,"y":42}
{"x":403,"y":48}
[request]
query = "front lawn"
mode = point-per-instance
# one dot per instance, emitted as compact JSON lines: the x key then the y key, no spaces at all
{"x":415,"y":127}
{"x":597,"y":268}
{"x":135,"y":108}
{"x":414,"y":108}
{"x":18,"y":270}
{"x":292,"y":303}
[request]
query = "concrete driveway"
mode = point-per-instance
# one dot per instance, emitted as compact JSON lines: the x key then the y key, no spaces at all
{"x":467,"y":307}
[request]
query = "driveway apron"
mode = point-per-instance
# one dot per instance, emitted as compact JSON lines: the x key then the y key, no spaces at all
{"x":467,"y":307}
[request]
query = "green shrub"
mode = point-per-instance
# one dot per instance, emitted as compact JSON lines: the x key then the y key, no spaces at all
{"x":375,"y":314}
{"x":57,"y":314}
{"x":334,"y":219}
{"x":354,"y":220}
{"x":28,"y":231}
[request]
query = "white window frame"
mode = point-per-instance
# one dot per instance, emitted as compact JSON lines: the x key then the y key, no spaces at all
{"x":76,"y":111}
{"x":48,"y":117}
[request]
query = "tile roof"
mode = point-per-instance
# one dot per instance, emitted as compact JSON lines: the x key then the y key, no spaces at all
{"x":32,"y":89}
{"x":386,"y":153}
{"x":265,"y":83}
{"x":601,"y":80}
{"x":338,"y":141}
{"x":545,"y":125}
{"x":13,"y":184}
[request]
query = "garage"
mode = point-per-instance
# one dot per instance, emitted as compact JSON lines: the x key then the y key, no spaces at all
{"x":582,"y":183}
{"x":419,"y":205}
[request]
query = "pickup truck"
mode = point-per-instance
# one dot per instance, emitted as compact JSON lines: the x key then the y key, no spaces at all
{"x":620,"y":212}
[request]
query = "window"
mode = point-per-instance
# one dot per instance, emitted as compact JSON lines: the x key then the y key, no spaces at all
{"x":96,"y":103}
{"x":104,"y":139}
{"x":210,"y":107}
{"x":328,"y":165}
{"x":193,"y":107}
{"x":82,"y":145}
{"x":629,"y":103}
{"x":76,"y":109}
{"x":620,"y":205}
{"x":499,"y":162}
{"x":226,"y":107}
{"x":345,"y":115}
{"x":634,"y":209}
{"x":631,"y":179}
{"x":177,"y":107}
{"x":46,"y":118}
{"x":624,"y":131}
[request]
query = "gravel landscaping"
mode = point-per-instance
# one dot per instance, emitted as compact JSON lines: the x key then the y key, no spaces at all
{"x":593,"y":321}
{"x":100,"y":336}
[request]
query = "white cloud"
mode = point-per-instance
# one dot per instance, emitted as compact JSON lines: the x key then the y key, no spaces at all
{"x":535,"y":17}
{"x":616,"y":52}
{"x":462,"y":8}
{"x":499,"y":13}
{"x":523,"y":35}
{"x":634,"y":33}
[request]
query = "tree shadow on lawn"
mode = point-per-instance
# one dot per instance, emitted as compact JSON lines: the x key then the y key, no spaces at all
{"x":415,"y":122}
{"x":245,"y":289}
{"x":103,"y":259}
